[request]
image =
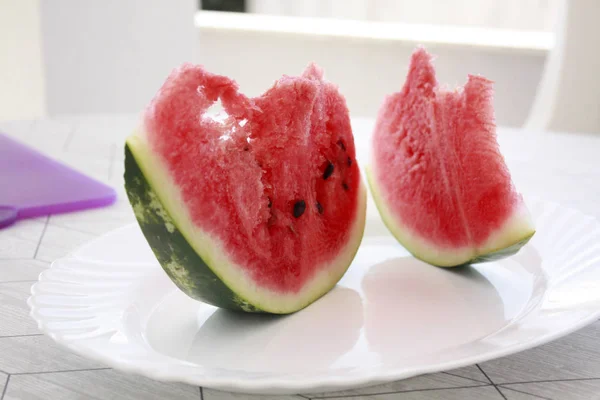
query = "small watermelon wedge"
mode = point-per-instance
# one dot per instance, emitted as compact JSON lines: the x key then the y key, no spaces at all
{"x":259,"y":210}
{"x":437,"y":175}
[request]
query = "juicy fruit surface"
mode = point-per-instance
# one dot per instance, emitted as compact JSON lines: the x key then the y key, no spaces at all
{"x":437,"y":164}
{"x":275,"y":180}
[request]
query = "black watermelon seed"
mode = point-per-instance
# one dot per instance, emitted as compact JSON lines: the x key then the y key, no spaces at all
{"x":270,"y":203}
{"x":246,"y":148}
{"x":299,"y":208}
{"x":341,"y":144}
{"x":328,"y":170}
{"x":349,"y":161}
{"x":345,"y":186}
{"x":319,"y":208}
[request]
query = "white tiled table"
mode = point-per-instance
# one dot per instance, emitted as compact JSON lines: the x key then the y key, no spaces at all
{"x":560,"y":167}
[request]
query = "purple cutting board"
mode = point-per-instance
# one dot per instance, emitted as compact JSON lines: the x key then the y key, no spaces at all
{"x":32,"y":185}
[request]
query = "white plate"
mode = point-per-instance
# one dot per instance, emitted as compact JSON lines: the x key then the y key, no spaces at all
{"x":391,"y":316}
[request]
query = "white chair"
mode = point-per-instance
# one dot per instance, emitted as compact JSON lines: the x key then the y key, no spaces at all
{"x":369,"y":59}
{"x":568,"y":97}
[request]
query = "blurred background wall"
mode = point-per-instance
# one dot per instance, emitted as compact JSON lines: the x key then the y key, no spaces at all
{"x":22,"y":92}
{"x":82,"y":56}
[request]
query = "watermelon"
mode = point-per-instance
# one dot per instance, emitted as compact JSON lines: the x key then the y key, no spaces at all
{"x":437,"y":175}
{"x":259,"y":208}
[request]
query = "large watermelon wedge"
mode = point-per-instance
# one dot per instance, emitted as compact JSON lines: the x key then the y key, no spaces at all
{"x":437,"y":175}
{"x":261,"y":210}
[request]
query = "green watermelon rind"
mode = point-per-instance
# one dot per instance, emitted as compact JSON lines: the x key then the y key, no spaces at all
{"x":447,"y":259}
{"x":499,"y":254}
{"x":178,"y":259}
{"x":199,"y":267}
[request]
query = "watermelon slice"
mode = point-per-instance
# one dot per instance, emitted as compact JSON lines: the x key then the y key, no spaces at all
{"x":260,"y":209}
{"x":437,"y":176}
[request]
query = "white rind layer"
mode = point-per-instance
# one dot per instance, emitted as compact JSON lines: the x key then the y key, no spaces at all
{"x":517,"y":227}
{"x":211,"y":250}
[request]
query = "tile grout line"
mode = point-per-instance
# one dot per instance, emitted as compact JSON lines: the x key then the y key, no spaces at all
{"x":303,"y":396}
{"x":550,"y":380}
{"x":46,"y":260}
{"x":484,"y":374}
{"x":500,"y":392}
{"x":59,"y":372}
{"x":112,"y":159}
{"x":530,"y":394}
{"x":5,"y":387}
{"x":69,"y":138}
{"x":18,"y":336}
{"x":400,"y":391}
{"x":464,"y":377}
{"x":41,"y":237}
{"x":59,"y":225}
{"x":492,"y":382}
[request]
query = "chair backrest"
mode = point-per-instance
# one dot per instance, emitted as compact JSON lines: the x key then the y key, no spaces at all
{"x":369,"y":60}
{"x":568,"y":97}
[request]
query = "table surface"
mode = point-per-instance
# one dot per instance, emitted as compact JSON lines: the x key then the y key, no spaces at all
{"x":563,"y":167}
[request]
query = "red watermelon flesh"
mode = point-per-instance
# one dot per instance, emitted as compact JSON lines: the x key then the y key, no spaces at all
{"x":274,"y":182}
{"x":438,"y":176}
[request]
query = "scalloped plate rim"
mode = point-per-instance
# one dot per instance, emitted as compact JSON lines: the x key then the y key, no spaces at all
{"x":282,"y":385}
